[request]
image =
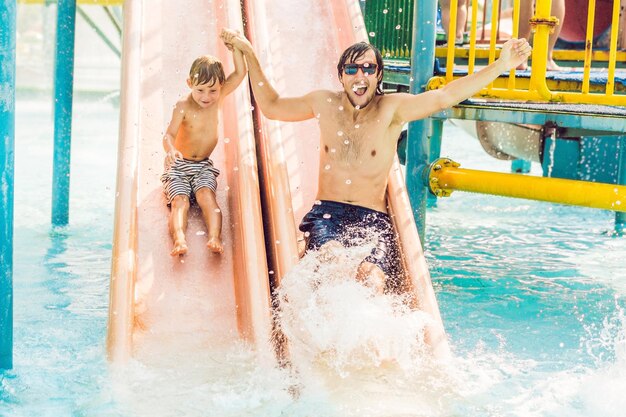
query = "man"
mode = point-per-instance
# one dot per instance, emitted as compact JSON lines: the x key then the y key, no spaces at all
{"x":359,"y":128}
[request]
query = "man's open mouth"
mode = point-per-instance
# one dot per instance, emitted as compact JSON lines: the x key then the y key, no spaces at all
{"x":359,"y":89}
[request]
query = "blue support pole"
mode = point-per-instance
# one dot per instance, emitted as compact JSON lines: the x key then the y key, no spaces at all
{"x":520,"y":166}
{"x":7,"y":146}
{"x":422,"y":63}
{"x":434,"y":154}
{"x":620,"y":217}
{"x":63,"y":94}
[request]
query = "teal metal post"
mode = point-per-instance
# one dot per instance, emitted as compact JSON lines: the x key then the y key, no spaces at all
{"x":620,"y":217}
{"x":63,"y":94}
{"x":7,"y":145}
{"x":520,"y":166}
{"x":434,"y":153}
{"x":422,"y":63}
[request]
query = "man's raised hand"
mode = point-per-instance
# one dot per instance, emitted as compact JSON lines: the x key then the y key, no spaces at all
{"x":515,"y":52}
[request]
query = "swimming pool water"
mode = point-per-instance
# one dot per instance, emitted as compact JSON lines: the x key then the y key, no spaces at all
{"x":531,"y":294}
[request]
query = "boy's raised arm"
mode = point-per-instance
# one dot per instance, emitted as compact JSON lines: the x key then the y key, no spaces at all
{"x":272,"y":105}
{"x":417,"y":106}
{"x":234,"y":79}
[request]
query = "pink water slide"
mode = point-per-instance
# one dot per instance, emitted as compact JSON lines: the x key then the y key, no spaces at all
{"x":154,"y":295}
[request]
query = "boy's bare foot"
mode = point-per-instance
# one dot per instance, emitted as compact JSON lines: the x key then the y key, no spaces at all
{"x":215,"y":245}
{"x":180,"y":248}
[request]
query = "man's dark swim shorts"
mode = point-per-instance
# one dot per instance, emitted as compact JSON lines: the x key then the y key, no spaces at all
{"x":353,"y":225}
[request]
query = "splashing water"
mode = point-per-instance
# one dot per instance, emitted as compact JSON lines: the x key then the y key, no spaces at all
{"x":364,"y":351}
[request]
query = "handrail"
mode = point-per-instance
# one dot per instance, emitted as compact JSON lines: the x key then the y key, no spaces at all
{"x":593,"y":88}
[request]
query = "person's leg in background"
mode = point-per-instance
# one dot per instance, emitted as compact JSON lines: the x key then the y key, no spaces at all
{"x":527,"y":12}
{"x":461,"y":18}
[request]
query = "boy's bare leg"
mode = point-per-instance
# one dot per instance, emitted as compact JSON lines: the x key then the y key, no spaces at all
{"x":212,"y":215}
{"x":178,"y":224}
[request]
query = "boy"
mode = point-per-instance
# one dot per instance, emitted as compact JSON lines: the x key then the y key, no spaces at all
{"x":190,"y":139}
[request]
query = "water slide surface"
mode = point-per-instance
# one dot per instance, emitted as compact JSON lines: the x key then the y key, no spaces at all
{"x":299,"y":44}
{"x":154,"y":297}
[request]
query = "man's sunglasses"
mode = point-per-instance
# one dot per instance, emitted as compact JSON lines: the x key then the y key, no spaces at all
{"x":367,"y":68}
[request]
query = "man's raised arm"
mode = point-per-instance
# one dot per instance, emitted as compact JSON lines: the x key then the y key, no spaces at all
{"x":272,"y":105}
{"x":413,"y":107}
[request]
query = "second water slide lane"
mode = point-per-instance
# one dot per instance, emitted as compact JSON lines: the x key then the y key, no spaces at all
{"x":298,"y":44}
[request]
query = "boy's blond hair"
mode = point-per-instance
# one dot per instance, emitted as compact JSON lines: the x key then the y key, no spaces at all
{"x":206,"y":69}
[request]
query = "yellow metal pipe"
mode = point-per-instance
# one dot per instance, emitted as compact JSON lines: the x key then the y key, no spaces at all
{"x":516,"y":13}
{"x":610,"y":84}
{"x":591,"y":13}
{"x":472,"y":48}
{"x":451,"y":37}
{"x":542,"y":24}
{"x":500,"y":90}
{"x":494,"y":33}
{"x":559,"y":55}
{"x":446,"y":176}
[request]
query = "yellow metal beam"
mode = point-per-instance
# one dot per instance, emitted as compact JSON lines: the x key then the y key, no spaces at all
{"x":558,"y":86}
{"x":446,"y":176}
{"x":558,"y":54}
{"x":562,"y":91}
{"x":80,"y":2}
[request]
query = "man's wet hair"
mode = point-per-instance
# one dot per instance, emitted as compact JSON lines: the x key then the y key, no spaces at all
{"x":355,"y":52}
{"x":207,"y":69}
